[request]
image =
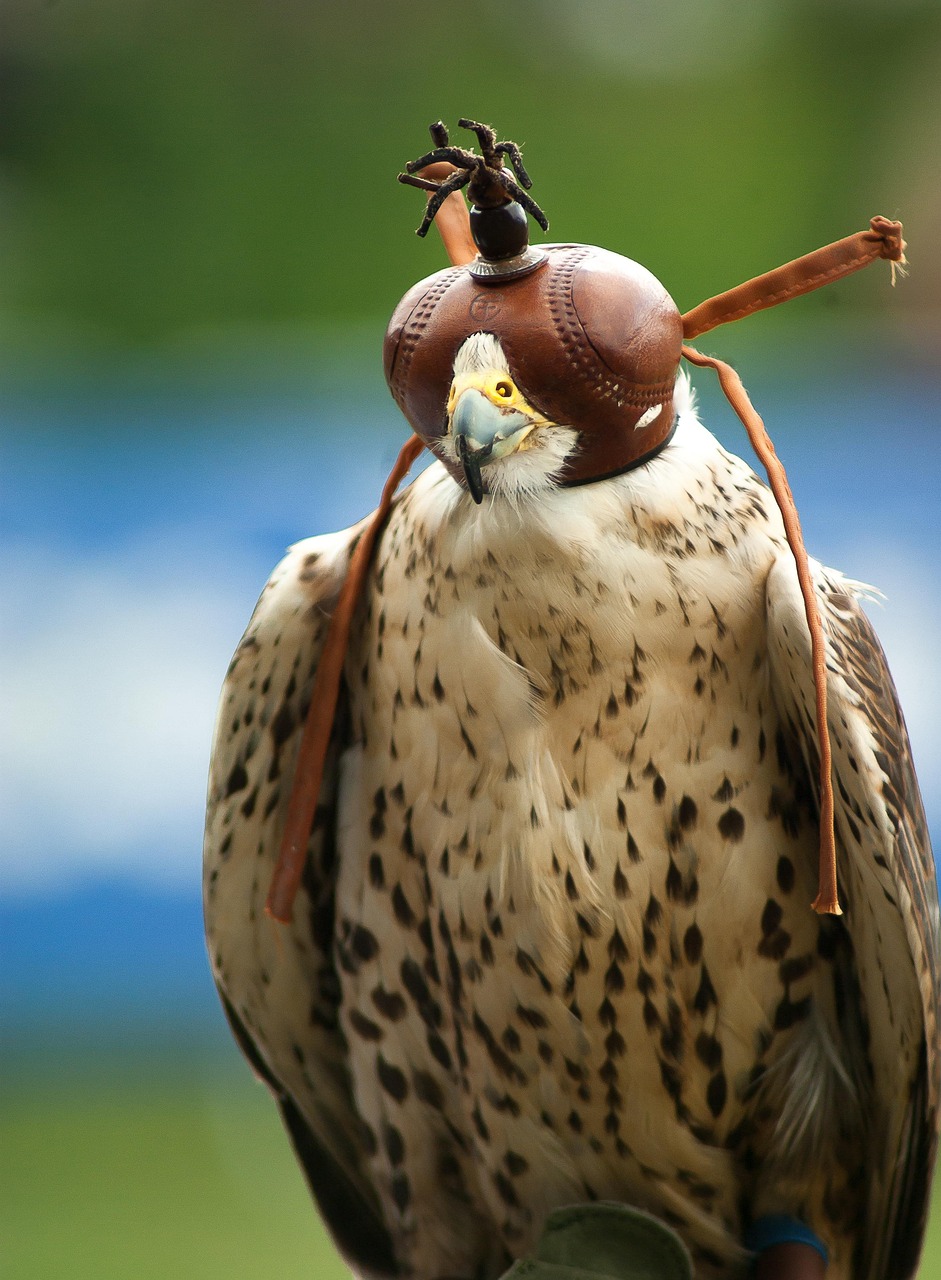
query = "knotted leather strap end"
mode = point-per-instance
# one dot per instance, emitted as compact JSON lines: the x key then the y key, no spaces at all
{"x":803,"y":275}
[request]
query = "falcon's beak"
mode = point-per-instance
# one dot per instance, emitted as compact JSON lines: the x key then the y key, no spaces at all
{"x":488,"y":419}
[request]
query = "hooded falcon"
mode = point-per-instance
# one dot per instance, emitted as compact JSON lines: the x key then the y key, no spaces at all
{"x":553,"y":940}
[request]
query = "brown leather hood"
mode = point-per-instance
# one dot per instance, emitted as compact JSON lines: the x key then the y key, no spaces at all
{"x":593,"y":341}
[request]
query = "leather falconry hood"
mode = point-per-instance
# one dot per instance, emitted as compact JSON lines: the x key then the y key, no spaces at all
{"x":593,"y":339}
{"x":594,"y":342}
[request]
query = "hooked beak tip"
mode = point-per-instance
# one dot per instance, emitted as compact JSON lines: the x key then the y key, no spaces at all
{"x":470,"y":461}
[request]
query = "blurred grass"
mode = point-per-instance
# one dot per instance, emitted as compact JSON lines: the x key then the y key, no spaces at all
{"x":150,"y":1179}
{"x":152,"y":1174}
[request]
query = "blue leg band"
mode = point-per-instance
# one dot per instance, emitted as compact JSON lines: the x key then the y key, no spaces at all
{"x":779,"y":1228}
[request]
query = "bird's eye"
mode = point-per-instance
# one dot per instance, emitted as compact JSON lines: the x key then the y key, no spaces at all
{"x":504,"y":390}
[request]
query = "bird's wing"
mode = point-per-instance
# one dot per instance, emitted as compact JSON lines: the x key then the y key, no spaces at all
{"x":279,"y":983}
{"x":887,"y":888}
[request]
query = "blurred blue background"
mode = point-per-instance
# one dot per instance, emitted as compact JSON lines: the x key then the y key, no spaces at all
{"x":202,"y":240}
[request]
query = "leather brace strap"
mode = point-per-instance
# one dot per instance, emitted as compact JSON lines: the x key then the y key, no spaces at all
{"x":315,"y":739}
{"x":803,"y":275}
{"x":827,"y":900}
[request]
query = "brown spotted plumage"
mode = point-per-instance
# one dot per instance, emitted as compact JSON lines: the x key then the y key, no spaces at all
{"x":554,"y":941}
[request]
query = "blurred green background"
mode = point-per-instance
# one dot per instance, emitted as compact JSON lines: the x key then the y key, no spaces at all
{"x":202,"y":239}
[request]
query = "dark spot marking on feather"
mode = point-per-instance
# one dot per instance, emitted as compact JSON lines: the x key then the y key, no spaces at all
{"x":716,"y":1093}
{"x":671,"y":1038}
{"x":528,"y":966}
{"x":506,"y":1104}
{"x":692,"y":944}
{"x":621,"y":889}
{"x":283,"y":725}
{"x":427,"y":1089}
{"x":363,"y":943}
{"x":706,"y":993}
{"x":671,"y":1079}
{"x":771,"y":916}
{"x":505,"y":1189}
{"x":392,"y":1079}
{"x":775,"y":945}
{"x":790,"y":1011}
{"x":617,"y":947}
{"x":530,"y":1017}
{"x":363,"y":1026}
{"x":511,"y":1040}
{"x":376,"y":872}
{"x":472,"y":750}
{"x":614,"y":1044}
{"x":479,"y":1124}
{"x":724,"y":792}
{"x":425,"y":936}
{"x":439,"y":1050}
{"x":587,"y":925}
{"x":708,"y":1050}
{"x":377,"y":825}
{"x":606,"y":1014}
{"x":732,"y":825}
{"x":796,"y":968}
{"x":401,"y":1192}
{"x":416,"y":986}
{"x":389,"y":1003}
{"x":400,"y":905}
{"x":688,"y":813}
{"x":237,"y":780}
{"x":516,"y":1164}
{"x":651,"y":1016}
{"x":504,"y":1065}
{"x":394,"y":1144}
{"x":674,"y":882}
{"x":785,"y":874}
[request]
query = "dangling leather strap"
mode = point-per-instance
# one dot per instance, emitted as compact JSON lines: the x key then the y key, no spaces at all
{"x":826,"y":900}
{"x":308,"y":772}
{"x":803,"y":275}
{"x":882,"y":240}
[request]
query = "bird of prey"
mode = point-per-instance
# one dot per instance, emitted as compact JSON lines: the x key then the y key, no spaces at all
{"x":553,"y":941}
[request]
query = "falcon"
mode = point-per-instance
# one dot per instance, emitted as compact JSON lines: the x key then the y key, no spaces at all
{"x":552,"y":939}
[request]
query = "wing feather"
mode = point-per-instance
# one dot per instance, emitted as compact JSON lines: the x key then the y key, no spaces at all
{"x":888,"y":891}
{"x":278,"y":983}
